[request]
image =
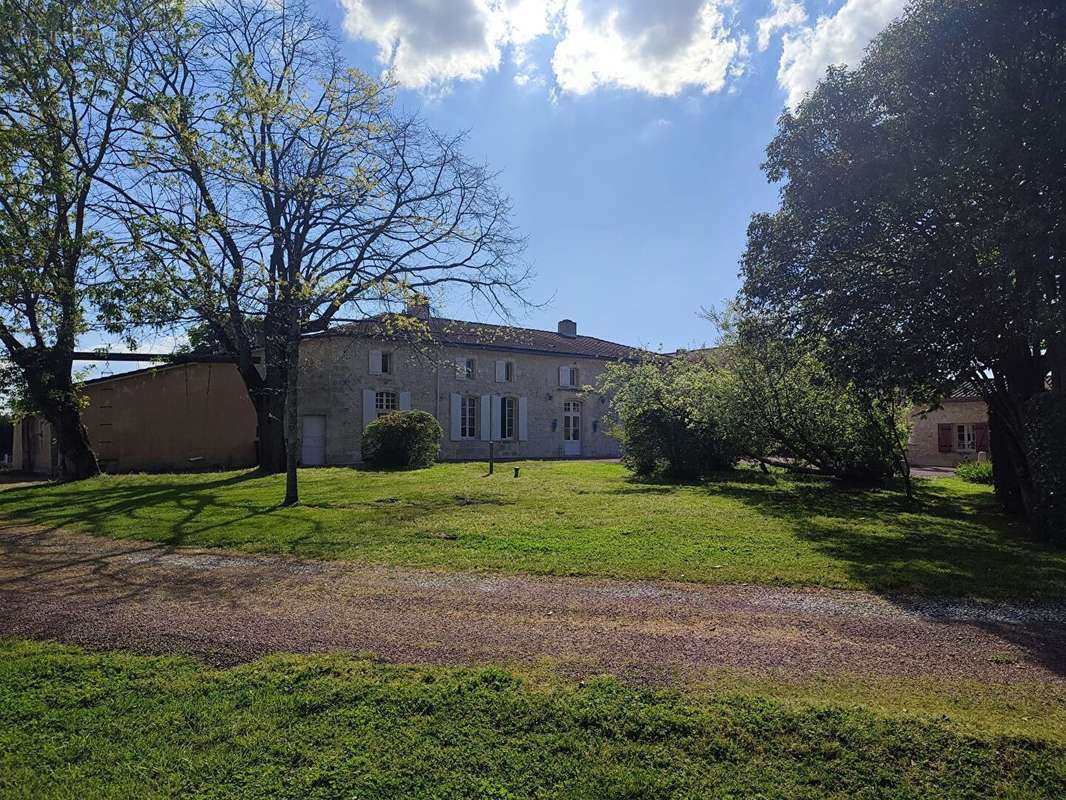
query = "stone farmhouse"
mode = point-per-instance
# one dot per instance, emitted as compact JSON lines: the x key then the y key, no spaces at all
{"x":519,"y":389}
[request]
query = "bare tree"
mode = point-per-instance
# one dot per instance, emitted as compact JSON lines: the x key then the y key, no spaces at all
{"x":282,"y":190}
{"x":66,"y":74}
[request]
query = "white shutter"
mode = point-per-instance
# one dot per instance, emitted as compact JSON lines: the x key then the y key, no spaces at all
{"x":564,"y":376}
{"x":486,"y":417}
{"x":501,"y":372}
{"x":497,"y":418}
{"x":456,"y":416}
{"x":375,"y":362}
{"x":405,"y":401}
{"x":460,"y":368}
{"x":369,"y":412}
{"x":523,"y":419}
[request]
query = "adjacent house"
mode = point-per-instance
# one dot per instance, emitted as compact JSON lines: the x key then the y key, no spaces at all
{"x":957,"y":431}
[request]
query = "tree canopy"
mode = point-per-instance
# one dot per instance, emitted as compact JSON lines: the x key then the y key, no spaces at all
{"x":921,"y":233}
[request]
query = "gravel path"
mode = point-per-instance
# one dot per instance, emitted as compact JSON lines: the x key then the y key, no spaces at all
{"x":229,"y":608}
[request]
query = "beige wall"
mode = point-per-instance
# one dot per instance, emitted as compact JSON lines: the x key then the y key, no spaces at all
{"x":336,"y":370}
{"x":923,"y":449}
{"x":184,"y":417}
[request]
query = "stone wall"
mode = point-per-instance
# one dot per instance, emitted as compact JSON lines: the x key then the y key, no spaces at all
{"x":923,"y":448}
{"x":335,"y":370}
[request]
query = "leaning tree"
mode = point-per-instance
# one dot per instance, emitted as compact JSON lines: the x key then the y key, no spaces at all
{"x":282,"y":191}
{"x":67,"y":72}
{"x":921,"y":231}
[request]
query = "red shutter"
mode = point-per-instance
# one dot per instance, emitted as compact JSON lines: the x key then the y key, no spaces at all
{"x":945,"y":435}
{"x":980,"y":435}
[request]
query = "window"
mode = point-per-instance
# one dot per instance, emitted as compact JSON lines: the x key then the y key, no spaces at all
{"x":508,"y":412}
{"x":568,"y":376}
{"x":468,"y":417}
{"x":384,"y":402}
{"x":504,"y":371}
{"x":965,"y":438}
{"x":386,"y":363}
{"x":466,"y":369}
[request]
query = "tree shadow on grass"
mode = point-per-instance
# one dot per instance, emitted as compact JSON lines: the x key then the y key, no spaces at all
{"x":69,"y":568}
{"x":944,"y":545}
{"x":90,"y":506}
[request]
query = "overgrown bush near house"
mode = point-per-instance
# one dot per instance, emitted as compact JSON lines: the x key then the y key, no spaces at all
{"x":402,"y":439}
{"x":781,"y":400}
{"x":975,"y":472}
{"x":1046,"y":441}
{"x":667,"y":415}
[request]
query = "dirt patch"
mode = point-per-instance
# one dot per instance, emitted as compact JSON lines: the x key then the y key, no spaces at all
{"x":229,"y":607}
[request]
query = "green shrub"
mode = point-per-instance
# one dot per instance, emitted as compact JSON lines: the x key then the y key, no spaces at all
{"x":975,"y":471}
{"x":659,"y":441}
{"x":668,"y":418}
{"x":402,"y":439}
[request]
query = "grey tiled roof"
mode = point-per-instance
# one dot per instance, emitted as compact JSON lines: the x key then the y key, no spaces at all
{"x":966,"y":390}
{"x":459,"y":333}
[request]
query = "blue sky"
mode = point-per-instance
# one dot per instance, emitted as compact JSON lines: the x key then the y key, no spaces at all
{"x":628,"y":133}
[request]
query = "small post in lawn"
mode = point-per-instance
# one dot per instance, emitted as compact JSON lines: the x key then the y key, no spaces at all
{"x":492,"y":456}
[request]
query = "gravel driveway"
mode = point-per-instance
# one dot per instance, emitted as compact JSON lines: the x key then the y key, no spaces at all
{"x":229,"y":608}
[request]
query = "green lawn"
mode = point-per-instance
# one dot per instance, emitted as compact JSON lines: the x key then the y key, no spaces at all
{"x":78,"y":725}
{"x":573,"y":518}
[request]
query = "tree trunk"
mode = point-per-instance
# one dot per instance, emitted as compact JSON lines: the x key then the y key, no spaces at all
{"x":50,"y":389}
{"x":270,"y":415}
{"x":1006,"y":478}
{"x":76,"y":457}
{"x":292,"y":416}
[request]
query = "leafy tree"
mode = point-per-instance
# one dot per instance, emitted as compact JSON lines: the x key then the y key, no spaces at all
{"x":669,"y":416}
{"x":782,"y":400}
{"x":921,"y":230}
{"x":67,"y":72}
{"x":281,"y":187}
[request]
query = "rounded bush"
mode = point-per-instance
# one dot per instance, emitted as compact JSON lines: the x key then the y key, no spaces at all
{"x":657,"y":441}
{"x":402,"y":439}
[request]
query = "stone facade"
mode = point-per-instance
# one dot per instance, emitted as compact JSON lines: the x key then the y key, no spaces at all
{"x":341,"y":376}
{"x":927,"y":446}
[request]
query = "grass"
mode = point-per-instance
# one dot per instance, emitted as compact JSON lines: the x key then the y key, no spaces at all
{"x":580,"y":518}
{"x":76,"y":724}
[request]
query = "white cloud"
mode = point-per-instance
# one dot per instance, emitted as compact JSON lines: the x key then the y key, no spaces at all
{"x":837,"y":39}
{"x":429,"y":43}
{"x":784,"y":14}
{"x":658,"y":47}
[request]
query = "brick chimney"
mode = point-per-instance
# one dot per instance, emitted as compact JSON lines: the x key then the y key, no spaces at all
{"x":568,"y":328}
